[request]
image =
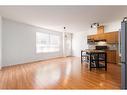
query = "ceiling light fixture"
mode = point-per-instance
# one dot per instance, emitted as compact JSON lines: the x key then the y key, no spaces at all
{"x":125,"y":19}
{"x":65,"y":33}
{"x":94,"y":25}
{"x":64,"y":28}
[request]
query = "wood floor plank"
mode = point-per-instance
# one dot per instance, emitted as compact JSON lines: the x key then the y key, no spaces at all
{"x":60,"y":73}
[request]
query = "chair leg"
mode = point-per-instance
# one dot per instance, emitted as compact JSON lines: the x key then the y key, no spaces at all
{"x":105,"y":68}
{"x":90,"y":66}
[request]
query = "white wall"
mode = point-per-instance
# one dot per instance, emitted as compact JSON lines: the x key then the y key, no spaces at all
{"x":0,"y":42}
{"x":80,"y":38}
{"x":79,"y":42}
{"x":112,"y":26}
{"x":19,"y":43}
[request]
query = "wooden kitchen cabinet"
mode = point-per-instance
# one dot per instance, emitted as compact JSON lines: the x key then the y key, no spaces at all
{"x":112,"y":37}
{"x":102,"y":36}
{"x":111,"y":56}
{"x":117,"y":57}
{"x":97,"y":37}
{"x":116,"y":37}
{"x":90,"y":37}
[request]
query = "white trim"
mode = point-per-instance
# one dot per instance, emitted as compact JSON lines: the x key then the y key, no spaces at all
{"x":0,"y":42}
{"x":64,"y":44}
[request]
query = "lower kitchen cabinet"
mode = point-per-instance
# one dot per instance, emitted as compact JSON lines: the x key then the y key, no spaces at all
{"x":112,"y":56}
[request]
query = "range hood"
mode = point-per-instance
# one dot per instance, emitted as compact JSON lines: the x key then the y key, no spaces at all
{"x":92,"y":41}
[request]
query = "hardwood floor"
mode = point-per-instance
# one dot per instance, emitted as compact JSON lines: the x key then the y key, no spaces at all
{"x":61,"y":73}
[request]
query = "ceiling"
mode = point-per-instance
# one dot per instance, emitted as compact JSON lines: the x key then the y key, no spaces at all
{"x":74,"y":18}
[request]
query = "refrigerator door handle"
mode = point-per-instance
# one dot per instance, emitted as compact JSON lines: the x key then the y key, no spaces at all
{"x":123,"y":62}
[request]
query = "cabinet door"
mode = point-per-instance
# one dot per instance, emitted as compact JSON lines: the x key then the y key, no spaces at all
{"x":99,"y":37}
{"x":108,"y":57}
{"x":102,"y":37}
{"x":110,"y":37}
{"x":111,"y":56}
{"x":96,"y":37}
{"x":117,"y":57}
{"x":116,"y":37}
{"x":91,"y":36}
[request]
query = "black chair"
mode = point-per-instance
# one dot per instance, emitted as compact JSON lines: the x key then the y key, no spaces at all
{"x":84,"y":57}
{"x":98,"y":60}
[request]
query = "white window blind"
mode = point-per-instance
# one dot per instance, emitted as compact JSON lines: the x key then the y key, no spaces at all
{"x":47,"y":42}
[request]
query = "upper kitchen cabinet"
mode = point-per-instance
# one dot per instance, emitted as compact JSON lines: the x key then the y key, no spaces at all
{"x":112,"y":37}
{"x":101,"y":36}
{"x":96,"y":37}
{"x":91,"y":37}
{"x":117,"y":37}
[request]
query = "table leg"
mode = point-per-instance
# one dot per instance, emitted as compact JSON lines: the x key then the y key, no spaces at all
{"x":81,"y":57}
{"x":98,"y":60}
{"x":105,"y":61}
{"x":90,"y":62}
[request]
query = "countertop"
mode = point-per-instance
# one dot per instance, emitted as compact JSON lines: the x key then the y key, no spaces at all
{"x":93,"y":50}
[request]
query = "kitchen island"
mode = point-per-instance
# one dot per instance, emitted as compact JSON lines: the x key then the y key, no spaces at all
{"x":94,"y":58}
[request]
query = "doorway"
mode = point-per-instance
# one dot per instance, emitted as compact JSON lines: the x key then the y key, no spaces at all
{"x":68,"y":44}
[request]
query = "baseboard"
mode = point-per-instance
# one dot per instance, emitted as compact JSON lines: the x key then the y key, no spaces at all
{"x":31,"y":62}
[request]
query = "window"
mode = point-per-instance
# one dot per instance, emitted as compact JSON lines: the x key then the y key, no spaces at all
{"x":46,"y":42}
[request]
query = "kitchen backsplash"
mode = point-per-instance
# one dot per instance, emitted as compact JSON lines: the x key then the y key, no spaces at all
{"x":110,"y":46}
{"x":91,"y":46}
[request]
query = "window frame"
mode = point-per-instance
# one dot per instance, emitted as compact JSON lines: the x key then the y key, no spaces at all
{"x":49,"y":45}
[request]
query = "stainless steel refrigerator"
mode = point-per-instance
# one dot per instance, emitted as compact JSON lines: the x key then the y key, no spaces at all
{"x":123,"y":54}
